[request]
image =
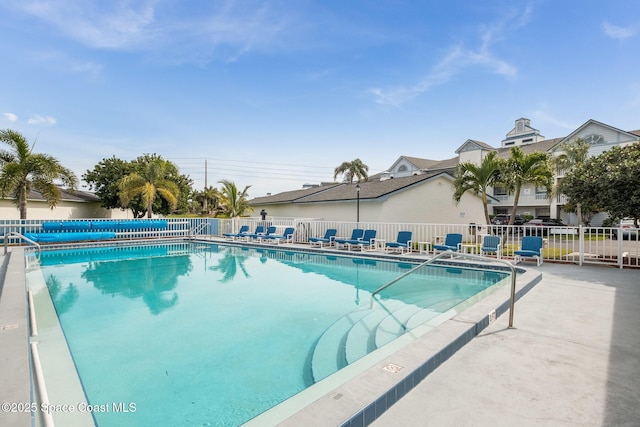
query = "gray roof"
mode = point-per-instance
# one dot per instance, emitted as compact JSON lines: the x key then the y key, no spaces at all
{"x":545,"y":145}
{"x":291,"y":196}
{"x":421,"y":163}
{"x":67,"y":196}
{"x":372,"y":189}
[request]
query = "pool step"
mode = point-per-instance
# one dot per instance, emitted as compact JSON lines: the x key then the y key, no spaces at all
{"x":329,"y":351}
{"x":391,"y":316}
{"x":364,"y":330}
{"x":328,"y":354}
{"x":409,"y":317}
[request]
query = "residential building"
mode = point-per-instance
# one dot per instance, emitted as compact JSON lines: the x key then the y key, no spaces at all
{"x":79,"y":204}
{"x":415,"y":189}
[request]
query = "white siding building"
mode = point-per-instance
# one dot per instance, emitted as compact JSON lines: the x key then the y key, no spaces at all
{"x":416,"y":189}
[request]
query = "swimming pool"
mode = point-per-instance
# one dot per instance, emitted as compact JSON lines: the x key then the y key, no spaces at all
{"x":206,"y":334}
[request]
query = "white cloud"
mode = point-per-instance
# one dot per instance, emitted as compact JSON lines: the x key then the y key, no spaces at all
{"x":458,"y":59}
{"x":11,"y":117}
{"x":41,"y":120}
{"x":223,"y":30}
{"x":95,"y":23}
{"x":616,"y":32}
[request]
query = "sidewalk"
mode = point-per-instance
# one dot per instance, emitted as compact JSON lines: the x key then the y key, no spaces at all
{"x":573,"y":359}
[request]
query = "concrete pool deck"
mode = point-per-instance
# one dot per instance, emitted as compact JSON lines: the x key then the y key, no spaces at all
{"x":573,"y":358}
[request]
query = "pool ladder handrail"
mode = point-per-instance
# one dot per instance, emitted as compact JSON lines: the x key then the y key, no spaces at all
{"x":197,"y":229}
{"x":452,"y":254}
{"x":16,"y":234}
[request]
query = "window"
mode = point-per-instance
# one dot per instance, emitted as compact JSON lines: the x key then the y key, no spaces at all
{"x":403,"y":168}
{"x":499,"y":191}
{"x":594,"y":139}
{"x":541,"y":190}
{"x":524,"y":141}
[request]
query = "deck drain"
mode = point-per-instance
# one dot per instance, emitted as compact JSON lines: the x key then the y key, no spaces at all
{"x":11,"y":326}
{"x":393,"y":368}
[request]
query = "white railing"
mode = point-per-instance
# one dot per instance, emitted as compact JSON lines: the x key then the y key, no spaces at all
{"x":574,"y":245}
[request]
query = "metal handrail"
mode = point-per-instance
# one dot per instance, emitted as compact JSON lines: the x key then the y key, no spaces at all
{"x":466,"y":256}
{"x":16,"y":234}
{"x":200,"y":227}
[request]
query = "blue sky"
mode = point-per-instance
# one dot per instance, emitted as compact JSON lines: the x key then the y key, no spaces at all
{"x":275,"y":94}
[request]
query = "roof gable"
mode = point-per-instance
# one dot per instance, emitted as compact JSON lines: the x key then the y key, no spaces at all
{"x":473,"y":145}
{"x":595,"y":132}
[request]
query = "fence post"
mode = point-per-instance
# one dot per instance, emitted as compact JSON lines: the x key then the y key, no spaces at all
{"x":581,"y":244}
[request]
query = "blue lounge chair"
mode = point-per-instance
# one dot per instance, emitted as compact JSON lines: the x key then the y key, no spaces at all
{"x":329,"y":235}
{"x":453,"y":242}
{"x":244,"y":230}
{"x":368,"y":241}
{"x":491,"y":245}
{"x":402,"y":243}
{"x":259,"y":231}
{"x":531,"y":248}
{"x":357,"y":233}
{"x":287,"y":236}
{"x":271,"y":231}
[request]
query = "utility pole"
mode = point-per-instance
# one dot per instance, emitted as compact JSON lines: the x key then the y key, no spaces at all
{"x":204,"y":203}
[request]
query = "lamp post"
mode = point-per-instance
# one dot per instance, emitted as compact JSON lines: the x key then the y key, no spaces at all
{"x":357,"y":203}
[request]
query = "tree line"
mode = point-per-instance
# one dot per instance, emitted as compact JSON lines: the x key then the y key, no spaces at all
{"x":146,"y":185}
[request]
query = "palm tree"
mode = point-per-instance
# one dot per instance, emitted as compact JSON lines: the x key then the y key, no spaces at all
{"x":520,"y":169}
{"x":150,"y":184}
{"x":574,"y":154}
{"x":209,"y":198}
{"x":477,"y":179}
{"x":351,"y":170}
{"x":23,"y":170}
{"x":233,"y":202}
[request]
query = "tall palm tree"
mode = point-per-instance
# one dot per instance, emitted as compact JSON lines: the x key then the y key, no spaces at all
{"x":351,"y":170}
{"x":150,"y":184}
{"x":477,"y":179}
{"x":22,"y":170}
{"x":234,"y":202}
{"x":520,"y":169}
{"x":574,"y":154}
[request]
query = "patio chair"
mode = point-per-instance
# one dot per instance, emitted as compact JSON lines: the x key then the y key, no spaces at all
{"x":491,"y":245}
{"x":271,"y":231}
{"x":259,"y":231}
{"x":453,"y":242}
{"x":357,"y":233}
{"x":287,"y":236}
{"x":244,"y":230}
{"x":368,"y":240}
{"x":402,"y":243}
{"x":329,"y":235}
{"x":531,"y":248}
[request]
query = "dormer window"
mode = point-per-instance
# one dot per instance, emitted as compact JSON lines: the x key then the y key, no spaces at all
{"x":594,"y":139}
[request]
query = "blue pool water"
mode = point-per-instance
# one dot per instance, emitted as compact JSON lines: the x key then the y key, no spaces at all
{"x":204,"y":334}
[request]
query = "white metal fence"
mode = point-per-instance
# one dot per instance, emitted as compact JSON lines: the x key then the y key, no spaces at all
{"x":575,"y":245}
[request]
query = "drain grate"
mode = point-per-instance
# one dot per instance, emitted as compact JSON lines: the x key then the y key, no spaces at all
{"x":393,"y":368}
